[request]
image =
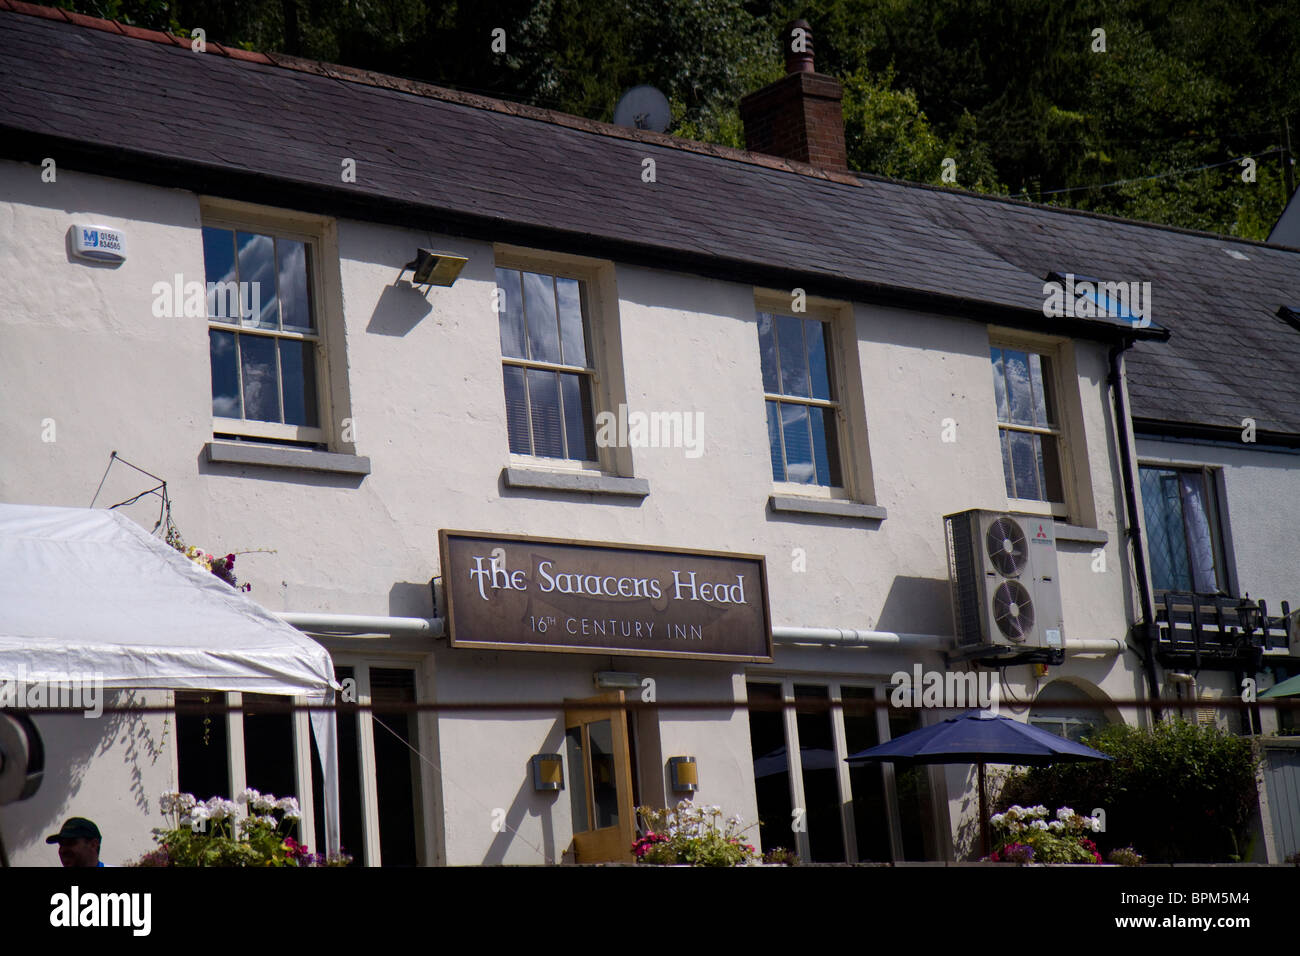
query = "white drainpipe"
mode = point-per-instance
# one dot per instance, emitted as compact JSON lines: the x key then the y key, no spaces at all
{"x":344,"y":624}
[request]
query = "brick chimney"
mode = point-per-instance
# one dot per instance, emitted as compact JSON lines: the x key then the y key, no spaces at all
{"x":797,"y":117}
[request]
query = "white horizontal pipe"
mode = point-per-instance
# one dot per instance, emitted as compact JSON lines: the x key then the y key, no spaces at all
{"x":852,"y":637}
{"x":835,"y":636}
{"x":1103,"y":645}
{"x":361,"y":623}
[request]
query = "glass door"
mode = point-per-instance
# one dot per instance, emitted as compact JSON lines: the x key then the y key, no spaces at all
{"x":599,"y":779}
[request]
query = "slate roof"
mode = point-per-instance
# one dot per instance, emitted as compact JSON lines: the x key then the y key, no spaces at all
{"x":275,"y":129}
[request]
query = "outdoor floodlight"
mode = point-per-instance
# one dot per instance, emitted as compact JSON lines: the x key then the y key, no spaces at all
{"x":434,"y":268}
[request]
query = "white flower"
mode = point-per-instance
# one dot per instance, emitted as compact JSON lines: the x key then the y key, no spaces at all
{"x":220,"y":808}
{"x":287,"y":804}
{"x":187,"y":802}
{"x":1038,"y":825}
{"x":997,"y":819}
{"x":1056,"y":826}
{"x":246,"y":795}
{"x":1094,"y":824}
{"x":294,"y":814}
{"x":262,"y":802}
{"x":199,"y":812}
{"x":1038,"y":811}
{"x":167,"y":802}
{"x":1064,"y":813}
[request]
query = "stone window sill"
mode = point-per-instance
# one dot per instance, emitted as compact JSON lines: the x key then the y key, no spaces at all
{"x":301,"y":459}
{"x":579,"y":482}
{"x":833,"y":507}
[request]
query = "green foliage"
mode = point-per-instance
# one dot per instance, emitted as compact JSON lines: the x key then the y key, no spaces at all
{"x":1182,"y":792}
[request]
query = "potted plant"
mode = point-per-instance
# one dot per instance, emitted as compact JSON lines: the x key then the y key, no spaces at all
{"x":691,"y":836}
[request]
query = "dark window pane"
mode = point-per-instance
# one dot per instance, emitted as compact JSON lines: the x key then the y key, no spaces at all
{"x":819,"y":358}
{"x":539,"y":311}
{"x":573,"y":335}
{"x":767,"y":352}
{"x":511,"y":314}
{"x":1024,"y":461}
{"x":774,"y":440}
{"x":771,"y":767}
{"x":798,"y":444}
{"x":604,"y":788}
{"x":516,"y":410}
{"x":257,"y":267}
{"x":294,"y":284}
{"x":826,"y":450}
{"x":544,"y":404}
{"x":298,"y":374}
{"x":219,"y":273}
{"x":576,"y":781}
{"x":225,"y":374}
{"x":579,"y":430}
{"x":397,"y":770}
{"x":820,"y":774}
{"x":1000,"y":385}
{"x":870,"y":814}
{"x":914,"y":798}
{"x":261,"y":390}
{"x":201,"y":745}
{"x":351,"y":827}
{"x":793,"y":358}
{"x":269,"y":747}
{"x":1049,"y":457}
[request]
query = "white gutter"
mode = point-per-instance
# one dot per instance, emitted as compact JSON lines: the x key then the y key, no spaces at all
{"x":344,"y":624}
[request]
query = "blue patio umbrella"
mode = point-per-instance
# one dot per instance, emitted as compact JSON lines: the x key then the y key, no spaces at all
{"x":979,"y":737}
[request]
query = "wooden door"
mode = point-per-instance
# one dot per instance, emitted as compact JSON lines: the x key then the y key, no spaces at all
{"x":600,"y":780}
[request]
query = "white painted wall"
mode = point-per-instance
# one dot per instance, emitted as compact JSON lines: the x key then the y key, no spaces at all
{"x":78,"y":344}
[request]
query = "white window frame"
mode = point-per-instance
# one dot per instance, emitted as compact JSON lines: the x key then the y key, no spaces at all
{"x":1057,"y":359}
{"x":848,"y":404}
{"x":320,"y":235}
{"x":604,"y":347}
{"x":302,"y":744}
{"x":428,"y":821}
{"x":848,"y":827}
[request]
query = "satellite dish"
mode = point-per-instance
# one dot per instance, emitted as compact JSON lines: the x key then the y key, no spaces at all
{"x":643,"y":107}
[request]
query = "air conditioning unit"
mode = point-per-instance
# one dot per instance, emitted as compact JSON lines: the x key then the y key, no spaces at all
{"x":1003,"y":571}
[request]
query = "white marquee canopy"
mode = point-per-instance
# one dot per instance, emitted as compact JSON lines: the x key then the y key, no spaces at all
{"x":89,"y":592}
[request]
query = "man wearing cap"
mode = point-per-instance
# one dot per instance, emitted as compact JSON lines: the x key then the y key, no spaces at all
{"x":78,"y":843}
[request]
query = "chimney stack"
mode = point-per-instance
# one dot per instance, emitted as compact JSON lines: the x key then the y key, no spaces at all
{"x":798,"y":117}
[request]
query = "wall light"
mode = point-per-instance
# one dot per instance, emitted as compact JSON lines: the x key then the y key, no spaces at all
{"x":686,"y":778}
{"x":434,"y":268}
{"x":548,"y":772}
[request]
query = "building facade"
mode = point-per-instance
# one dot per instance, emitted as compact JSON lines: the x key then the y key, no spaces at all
{"x":649,"y":344}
